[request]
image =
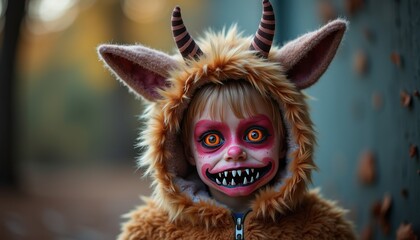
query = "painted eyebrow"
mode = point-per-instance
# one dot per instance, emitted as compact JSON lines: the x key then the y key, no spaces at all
{"x":204,"y":125}
{"x":260,"y":118}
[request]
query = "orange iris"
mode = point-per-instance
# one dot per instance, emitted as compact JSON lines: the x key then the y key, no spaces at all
{"x":255,"y":135}
{"x":212,"y":140}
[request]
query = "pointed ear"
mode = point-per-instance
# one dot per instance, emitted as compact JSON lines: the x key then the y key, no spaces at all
{"x":141,"y":69}
{"x":306,"y":58}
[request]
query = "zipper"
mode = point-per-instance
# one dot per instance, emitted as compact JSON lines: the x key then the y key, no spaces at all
{"x":239,"y":219}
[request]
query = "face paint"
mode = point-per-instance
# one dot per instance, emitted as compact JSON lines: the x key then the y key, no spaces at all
{"x":205,"y":129}
{"x":257,"y":132}
{"x":236,"y":156}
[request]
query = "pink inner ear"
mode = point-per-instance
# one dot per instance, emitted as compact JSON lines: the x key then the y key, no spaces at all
{"x":310,"y":67}
{"x":141,"y":80}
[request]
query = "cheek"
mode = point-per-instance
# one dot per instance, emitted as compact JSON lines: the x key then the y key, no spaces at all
{"x":272,"y":151}
{"x":202,"y":159}
{"x":267,"y":154}
{"x":205,"y":152}
{"x":270,"y":145}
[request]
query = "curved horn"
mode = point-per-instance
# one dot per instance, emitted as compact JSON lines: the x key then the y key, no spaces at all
{"x":265,"y":33}
{"x":185,"y":43}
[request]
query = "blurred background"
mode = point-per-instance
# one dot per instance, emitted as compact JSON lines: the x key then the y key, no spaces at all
{"x":68,"y":129}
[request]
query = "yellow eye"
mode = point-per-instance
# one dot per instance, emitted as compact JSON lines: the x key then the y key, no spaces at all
{"x":255,"y":135}
{"x":212,"y":140}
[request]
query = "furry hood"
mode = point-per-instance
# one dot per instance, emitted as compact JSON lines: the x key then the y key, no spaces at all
{"x":168,"y":83}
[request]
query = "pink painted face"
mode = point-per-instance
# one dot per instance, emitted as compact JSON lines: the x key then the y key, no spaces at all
{"x":236,"y":156}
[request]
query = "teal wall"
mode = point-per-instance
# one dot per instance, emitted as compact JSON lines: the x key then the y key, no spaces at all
{"x":347,"y":121}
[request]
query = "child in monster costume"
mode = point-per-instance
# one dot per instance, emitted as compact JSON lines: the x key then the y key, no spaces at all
{"x":228,"y":138}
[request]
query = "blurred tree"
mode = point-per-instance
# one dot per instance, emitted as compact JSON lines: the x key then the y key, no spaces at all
{"x":8,"y":161}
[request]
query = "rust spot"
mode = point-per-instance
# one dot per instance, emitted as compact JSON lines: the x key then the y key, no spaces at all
{"x":375,"y":209}
{"x":386,"y":205}
{"x":404,"y":193}
{"x":326,"y":11}
{"x":413,"y":151}
{"x":405,"y":99}
{"x":385,"y":227}
{"x":380,"y":211}
{"x":360,"y":62}
{"x":366,"y":171}
{"x":367,"y":233}
{"x":352,"y":6}
{"x":405,"y":232}
{"x":377,"y":100}
{"x":369,"y":35}
{"x":396,"y":59}
{"x":383,"y":219}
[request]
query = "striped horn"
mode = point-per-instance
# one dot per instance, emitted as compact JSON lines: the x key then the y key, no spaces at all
{"x":265,"y":33}
{"x":186,"y":45}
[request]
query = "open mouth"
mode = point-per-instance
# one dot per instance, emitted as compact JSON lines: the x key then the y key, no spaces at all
{"x":238,"y":177}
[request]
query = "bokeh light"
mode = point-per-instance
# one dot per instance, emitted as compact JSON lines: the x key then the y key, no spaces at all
{"x":49,"y":15}
{"x":3,"y":5}
{"x":143,"y":11}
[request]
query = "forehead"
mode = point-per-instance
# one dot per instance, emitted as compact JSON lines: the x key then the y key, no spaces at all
{"x":222,"y":109}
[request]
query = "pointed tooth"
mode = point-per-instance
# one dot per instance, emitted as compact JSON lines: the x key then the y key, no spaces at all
{"x":258,"y":175}
{"x":224,"y":181}
{"x":220,"y":174}
{"x":247,"y":171}
{"x":252,"y":180}
{"x":239,"y":173}
{"x":218,"y":181}
{"x":252,"y":170}
{"x":226,"y":173}
{"x":233,"y":173}
{"x":245,"y":181}
{"x":233,"y":182}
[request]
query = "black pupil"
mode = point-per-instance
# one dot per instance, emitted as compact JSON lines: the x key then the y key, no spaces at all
{"x":212,"y":139}
{"x":254,"y":134}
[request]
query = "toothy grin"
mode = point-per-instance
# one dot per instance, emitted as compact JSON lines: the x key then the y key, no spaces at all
{"x":238,"y":177}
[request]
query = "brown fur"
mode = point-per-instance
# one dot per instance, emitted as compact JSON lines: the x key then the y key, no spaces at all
{"x":283,"y":210}
{"x":315,"y":218}
{"x":228,"y":58}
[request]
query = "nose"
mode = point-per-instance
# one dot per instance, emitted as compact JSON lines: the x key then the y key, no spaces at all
{"x":235,"y":153}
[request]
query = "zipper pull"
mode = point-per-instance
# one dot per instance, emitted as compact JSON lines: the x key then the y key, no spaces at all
{"x":239,"y":219}
{"x":239,"y":229}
